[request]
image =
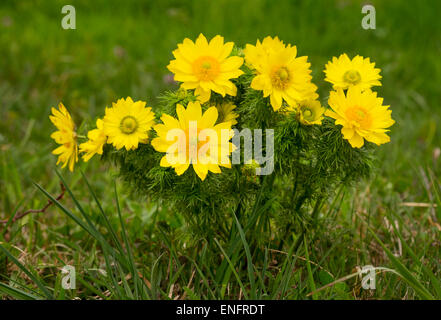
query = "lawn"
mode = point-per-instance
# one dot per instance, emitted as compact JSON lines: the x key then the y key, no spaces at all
{"x":122,"y":48}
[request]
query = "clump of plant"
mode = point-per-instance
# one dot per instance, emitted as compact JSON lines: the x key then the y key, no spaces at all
{"x":244,"y":139}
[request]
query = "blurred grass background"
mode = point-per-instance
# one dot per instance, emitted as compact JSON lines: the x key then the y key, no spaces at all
{"x":122,"y":48}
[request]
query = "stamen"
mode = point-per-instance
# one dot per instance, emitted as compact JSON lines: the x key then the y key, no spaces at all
{"x":359,"y":116}
{"x":308,"y":114}
{"x":352,"y":76}
{"x":128,"y":125}
{"x":206,"y":68}
{"x":280,"y":77}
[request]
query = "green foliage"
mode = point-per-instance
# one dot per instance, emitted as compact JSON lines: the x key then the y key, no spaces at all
{"x":122,"y":48}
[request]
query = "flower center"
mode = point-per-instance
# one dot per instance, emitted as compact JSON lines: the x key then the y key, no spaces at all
{"x":193,"y":142}
{"x":360,"y":116}
{"x":352,"y":76}
{"x":280,"y":77}
{"x":128,"y":125}
{"x":308,"y":114}
{"x":206,"y":68}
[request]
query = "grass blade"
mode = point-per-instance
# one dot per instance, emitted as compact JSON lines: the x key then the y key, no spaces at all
{"x":250,"y":266}
{"x":37,"y":281}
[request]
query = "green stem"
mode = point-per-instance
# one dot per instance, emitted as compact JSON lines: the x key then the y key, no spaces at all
{"x":316,"y":210}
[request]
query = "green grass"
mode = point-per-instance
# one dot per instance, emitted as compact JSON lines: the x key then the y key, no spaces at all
{"x":124,"y":247}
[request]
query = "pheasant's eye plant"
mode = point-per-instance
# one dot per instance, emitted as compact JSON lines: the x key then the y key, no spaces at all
{"x":245,"y":136}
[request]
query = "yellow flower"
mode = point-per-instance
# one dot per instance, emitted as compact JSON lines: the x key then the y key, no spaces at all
{"x":65,"y":136}
{"x":310,"y":112}
{"x":254,"y":55}
{"x":362,"y":116}
{"x":358,"y":72}
{"x":280,"y":74}
{"x":206,"y":67}
{"x":97,"y":139}
{"x":194,"y":138}
{"x":127,"y":123}
{"x":226,"y":113}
